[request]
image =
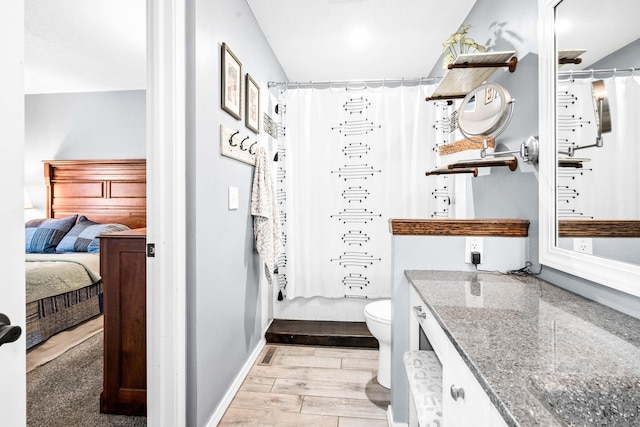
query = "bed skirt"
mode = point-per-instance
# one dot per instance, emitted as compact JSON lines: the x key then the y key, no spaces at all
{"x":48,"y":316}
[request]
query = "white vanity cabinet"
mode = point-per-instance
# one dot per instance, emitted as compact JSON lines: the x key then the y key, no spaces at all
{"x":464,"y":401}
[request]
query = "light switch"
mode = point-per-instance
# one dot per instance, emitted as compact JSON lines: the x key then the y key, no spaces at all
{"x":233,"y":198}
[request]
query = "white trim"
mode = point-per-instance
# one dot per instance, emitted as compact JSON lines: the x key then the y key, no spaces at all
{"x":390,"y":419}
{"x":235,"y":386}
{"x":166,"y":224}
{"x":614,"y":274}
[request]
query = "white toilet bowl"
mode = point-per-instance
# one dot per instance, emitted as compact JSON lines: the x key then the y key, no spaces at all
{"x":377,"y":315}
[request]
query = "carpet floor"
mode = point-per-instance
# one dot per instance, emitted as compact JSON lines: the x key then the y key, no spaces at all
{"x":62,"y":342}
{"x":66,"y":391}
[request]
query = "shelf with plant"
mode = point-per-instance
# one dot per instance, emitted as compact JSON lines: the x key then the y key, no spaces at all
{"x":469,"y":64}
{"x":459,"y":43}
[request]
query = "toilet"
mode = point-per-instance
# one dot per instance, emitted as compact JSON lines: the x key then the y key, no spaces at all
{"x":377,"y":315}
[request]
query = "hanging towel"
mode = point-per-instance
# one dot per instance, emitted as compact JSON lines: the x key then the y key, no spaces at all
{"x":266,"y":218}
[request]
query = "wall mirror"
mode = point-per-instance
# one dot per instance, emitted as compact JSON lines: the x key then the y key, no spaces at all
{"x":589,"y":202}
{"x":485,"y":111}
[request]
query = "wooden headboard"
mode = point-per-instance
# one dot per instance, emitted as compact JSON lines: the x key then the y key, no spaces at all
{"x":105,"y":191}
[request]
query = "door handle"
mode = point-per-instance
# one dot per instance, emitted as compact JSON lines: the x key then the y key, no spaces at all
{"x":8,"y":333}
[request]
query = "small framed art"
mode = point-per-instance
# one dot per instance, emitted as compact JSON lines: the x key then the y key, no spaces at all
{"x":252,"y":105}
{"x":231,"y":83}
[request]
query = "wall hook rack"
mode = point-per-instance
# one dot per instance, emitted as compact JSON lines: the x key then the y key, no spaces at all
{"x":231,"y":143}
{"x":237,"y":146}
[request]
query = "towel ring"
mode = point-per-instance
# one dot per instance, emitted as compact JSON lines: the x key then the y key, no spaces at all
{"x":231,"y":139}
{"x":242,"y":142}
{"x":251,"y":148}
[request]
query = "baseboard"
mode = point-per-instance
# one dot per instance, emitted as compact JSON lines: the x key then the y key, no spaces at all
{"x":235,"y":386}
{"x":390,"y":419}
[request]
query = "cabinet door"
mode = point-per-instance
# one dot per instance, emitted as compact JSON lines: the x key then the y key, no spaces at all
{"x":475,"y":408}
{"x":123,"y":270}
{"x":465,"y":402}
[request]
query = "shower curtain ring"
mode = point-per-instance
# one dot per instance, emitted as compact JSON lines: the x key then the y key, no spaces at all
{"x":231,"y":139}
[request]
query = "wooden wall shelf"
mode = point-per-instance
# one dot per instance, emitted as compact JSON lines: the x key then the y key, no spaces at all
{"x":571,"y":162}
{"x":470,"y":70}
{"x":471,"y":166}
{"x":447,"y":171}
{"x":570,"y":56}
{"x":598,"y":228}
{"x":511,"y":162}
{"x":495,"y":227}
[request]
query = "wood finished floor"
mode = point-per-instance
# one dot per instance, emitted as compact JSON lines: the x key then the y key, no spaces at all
{"x":310,"y":386}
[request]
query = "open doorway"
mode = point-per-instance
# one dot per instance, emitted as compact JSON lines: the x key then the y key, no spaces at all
{"x":165,"y":122}
{"x":85,"y":98}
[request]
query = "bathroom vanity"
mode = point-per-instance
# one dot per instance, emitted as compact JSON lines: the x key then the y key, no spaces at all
{"x":518,"y":351}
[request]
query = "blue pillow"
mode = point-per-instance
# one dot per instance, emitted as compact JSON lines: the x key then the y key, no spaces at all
{"x":43,"y":235}
{"x":94,"y":246}
{"x":83,"y":236}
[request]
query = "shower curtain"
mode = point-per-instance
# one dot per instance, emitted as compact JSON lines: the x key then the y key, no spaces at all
{"x":598,"y":190}
{"x":350,"y":160}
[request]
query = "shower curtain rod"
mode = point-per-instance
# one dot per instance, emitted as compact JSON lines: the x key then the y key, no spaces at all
{"x":591,"y":73}
{"x":350,"y":83}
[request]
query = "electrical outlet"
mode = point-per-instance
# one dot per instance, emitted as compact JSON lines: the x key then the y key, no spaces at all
{"x":583,"y":245}
{"x":472,"y":244}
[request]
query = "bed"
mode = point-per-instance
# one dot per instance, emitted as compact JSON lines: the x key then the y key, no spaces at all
{"x":85,"y":198}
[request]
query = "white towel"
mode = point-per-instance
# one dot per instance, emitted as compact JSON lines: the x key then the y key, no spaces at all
{"x":266,"y":218}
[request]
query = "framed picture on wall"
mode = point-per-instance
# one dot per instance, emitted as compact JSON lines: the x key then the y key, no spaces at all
{"x":231,"y":83}
{"x":252,"y":105}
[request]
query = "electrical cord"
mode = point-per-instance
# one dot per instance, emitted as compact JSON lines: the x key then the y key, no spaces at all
{"x":525,"y":271}
{"x":520,"y":272}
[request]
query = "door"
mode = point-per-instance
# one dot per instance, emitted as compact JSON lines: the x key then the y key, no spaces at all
{"x":12,"y":293}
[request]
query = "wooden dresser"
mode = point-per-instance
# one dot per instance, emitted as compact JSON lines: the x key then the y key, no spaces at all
{"x":123,"y":270}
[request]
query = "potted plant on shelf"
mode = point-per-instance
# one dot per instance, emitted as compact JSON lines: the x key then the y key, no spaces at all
{"x":459,"y":43}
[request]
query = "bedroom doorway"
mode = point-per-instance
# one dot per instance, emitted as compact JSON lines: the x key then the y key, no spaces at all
{"x":164,"y":149}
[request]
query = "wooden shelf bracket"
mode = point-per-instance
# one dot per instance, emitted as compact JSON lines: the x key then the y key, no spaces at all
{"x":448,"y":171}
{"x":511,"y":162}
{"x":510,"y":64}
{"x":469,"y":70}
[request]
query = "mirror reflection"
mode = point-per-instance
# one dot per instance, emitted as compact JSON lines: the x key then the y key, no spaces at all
{"x":597,"y":129}
{"x":485,"y":111}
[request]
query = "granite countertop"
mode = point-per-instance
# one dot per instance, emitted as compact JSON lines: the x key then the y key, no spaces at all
{"x":545,"y":356}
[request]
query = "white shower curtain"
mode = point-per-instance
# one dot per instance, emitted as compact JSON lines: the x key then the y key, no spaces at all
{"x":599,"y":189}
{"x":351,"y":160}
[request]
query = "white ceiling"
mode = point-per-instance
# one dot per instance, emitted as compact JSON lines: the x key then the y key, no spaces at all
{"x":319,"y":40}
{"x":99,"y":45}
{"x":84,"y":45}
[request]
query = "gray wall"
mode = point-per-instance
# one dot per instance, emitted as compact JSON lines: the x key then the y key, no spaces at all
{"x":508,"y":25}
{"x":626,"y":57}
{"x":224,"y":308}
{"x":503,"y":25}
{"x":92,"y":125}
